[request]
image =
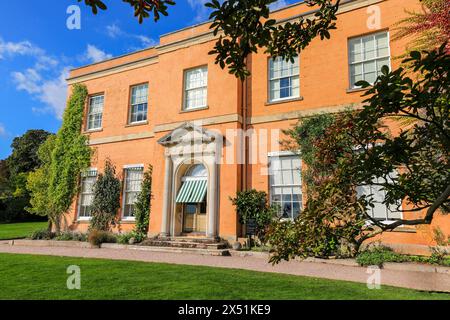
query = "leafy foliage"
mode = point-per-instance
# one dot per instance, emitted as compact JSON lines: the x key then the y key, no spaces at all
{"x":143,"y":207}
{"x":38,"y":180}
{"x":97,"y":237}
{"x":356,"y":147}
{"x":421,"y":149}
{"x":106,"y":202}
{"x":14,"y":171}
{"x":429,"y":28}
{"x":244,"y":27}
{"x":142,"y":8}
{"x":70,"y":156}
{"x":253,"y":204}
{"x":43,"y":234}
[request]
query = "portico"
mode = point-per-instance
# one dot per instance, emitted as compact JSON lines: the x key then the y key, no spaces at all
{"x":191,"y":182}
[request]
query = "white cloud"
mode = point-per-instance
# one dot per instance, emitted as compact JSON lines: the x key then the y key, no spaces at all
{"x":18,"y":48}
{"x":51,"y":92}
{"x":2,"y":130}
{"x":114,"y":31}
{"x":95,"y":54}
{"x":278,"y":5}
{"x":201,"y":12}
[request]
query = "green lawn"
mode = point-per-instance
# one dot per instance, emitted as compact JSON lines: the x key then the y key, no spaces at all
{"x":19,"y":230}
{"x":44,"y":277}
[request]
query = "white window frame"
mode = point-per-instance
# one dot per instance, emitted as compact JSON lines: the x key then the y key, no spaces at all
{"x":362,"y":61}
{"x":186,"y":90}
{"x":90,"y":113}
{"x":279,"y":155}
{"x":124,"y":193}
{"x":270,"y":80}
{"x":130,"y":119}
{"x":80,"y":195}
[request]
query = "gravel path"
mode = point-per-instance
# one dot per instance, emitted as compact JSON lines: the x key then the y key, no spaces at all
{"x":408,"y":279}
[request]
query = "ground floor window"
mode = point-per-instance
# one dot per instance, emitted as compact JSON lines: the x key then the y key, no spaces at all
{"x":132,"y":188}
{"x":286,"y":184}
{"x":380,"y":211}
{"x":87,"y":194}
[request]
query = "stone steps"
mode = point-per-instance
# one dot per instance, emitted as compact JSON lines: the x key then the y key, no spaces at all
{"x":186,"y":244}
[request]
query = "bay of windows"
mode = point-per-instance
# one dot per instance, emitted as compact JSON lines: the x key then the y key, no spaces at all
{"x":284,"y":79}
{"x":196,"y":88}
{"x":139,"y":103}
{"x":88,"y":180}
{"x":286,"y":185}
{"x":95,"y":114}
{"x":367,"y":55}
{"x":132,"y":188}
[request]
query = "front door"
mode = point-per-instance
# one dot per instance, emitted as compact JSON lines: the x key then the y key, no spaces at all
{"x":194,"y":217}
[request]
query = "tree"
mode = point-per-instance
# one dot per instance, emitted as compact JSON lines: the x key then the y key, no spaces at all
{"x":421,"y":152}
{"x":430,"y":28}
{"x":71,"y":155}
{"x":24,"y":157}
{"x":244,"y":28}
{"x":355,"y":149}
{"x":38,"y":182}
{"x":106,"y":201}
{"x":143,"y":206}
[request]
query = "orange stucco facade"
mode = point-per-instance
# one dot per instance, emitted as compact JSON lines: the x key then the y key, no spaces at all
{"x":324,"y":87}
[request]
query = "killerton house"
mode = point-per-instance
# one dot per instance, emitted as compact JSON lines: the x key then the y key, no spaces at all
{"x":209,"y":135}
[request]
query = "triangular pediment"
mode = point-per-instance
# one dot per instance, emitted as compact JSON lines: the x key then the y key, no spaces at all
{"x":188,"y":133}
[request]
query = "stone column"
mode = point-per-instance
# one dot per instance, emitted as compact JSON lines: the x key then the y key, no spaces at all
{"x":167,"y":197}
{"x":212,"y":205}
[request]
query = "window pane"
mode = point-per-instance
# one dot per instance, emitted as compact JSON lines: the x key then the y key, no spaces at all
{"x":284,"y":78}
{"x":95,"y":112}
{"x":369,"y":47}
{"x":355,"y":50}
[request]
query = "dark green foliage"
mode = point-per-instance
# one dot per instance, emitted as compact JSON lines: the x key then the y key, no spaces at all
{"x":124,"y":238}
{"x":14,"y":171}
{"x":106,"y":201}
{"x":253,"y":204}
{"x":422,"y":148}
{"x":71,"y":236}
{"x":24,"y":157}
{"x":97,"y":237}
{"x":70,"y":156}
{"x":143,"y":207}
{"x":244,"y":28}
{"x":142,"y":8}
{"x":43,"y":234}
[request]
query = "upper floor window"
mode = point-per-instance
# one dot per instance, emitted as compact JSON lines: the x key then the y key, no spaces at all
{"x":286,"y":184}
{"x":366,"y":57}
{"x":95,"y":114}
{"x":132,"y":188}
{"x":196,"y":88}
{"x":88,"y":180}
{"x":284,"y":80}
{"x":139,"y":103}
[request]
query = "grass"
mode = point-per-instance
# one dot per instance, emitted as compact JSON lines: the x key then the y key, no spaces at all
{"x":19,"y":230}
{"x":44,"y":277}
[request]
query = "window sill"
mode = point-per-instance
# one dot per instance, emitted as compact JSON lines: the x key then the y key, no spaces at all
{"x":84,"y":221}
{"x":193,"y":110}
{"x":128,"y":221}
{"x":93,"y":130}
{"x":269,"y":103}
{"x":351,"y":90}
{"x":136,"y":124}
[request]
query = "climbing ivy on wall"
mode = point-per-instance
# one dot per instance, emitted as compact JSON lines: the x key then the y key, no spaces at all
{"x":143,"y":206}
{"x":70,"y":156}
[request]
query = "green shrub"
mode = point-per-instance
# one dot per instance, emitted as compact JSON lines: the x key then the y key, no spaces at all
{"x":377,"y":255}
{"x":72,"y":236}
{"x":43,"y":234}
{"x":97,"y":237}
{"x":253,"y":205}
{"x":124,"y":238}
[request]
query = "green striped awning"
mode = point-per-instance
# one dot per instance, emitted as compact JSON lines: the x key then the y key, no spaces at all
{"x":192,"y":191}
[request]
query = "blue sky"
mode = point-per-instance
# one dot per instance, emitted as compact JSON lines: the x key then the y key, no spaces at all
{"x":37,"y":50}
